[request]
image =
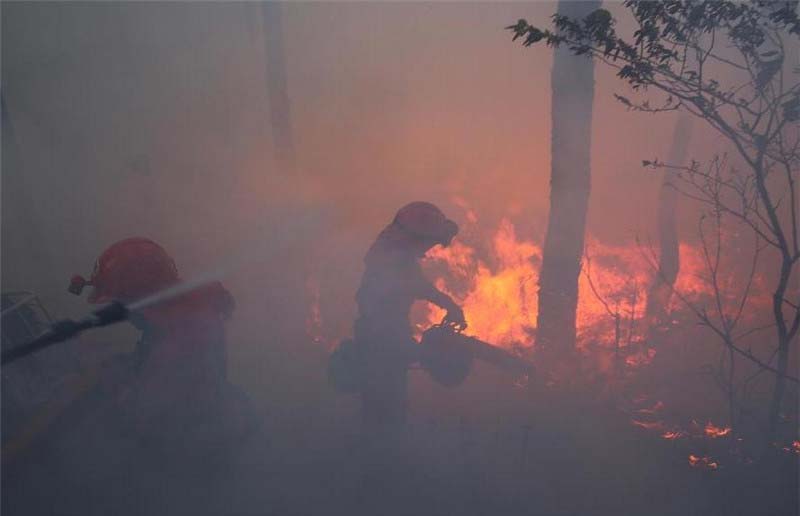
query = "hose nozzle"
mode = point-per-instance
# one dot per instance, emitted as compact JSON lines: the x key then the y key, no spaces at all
{"x":77,"y":284}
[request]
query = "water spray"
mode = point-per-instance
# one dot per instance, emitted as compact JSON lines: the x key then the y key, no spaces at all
{"x":109,"y":314}
{"x":116,"y":312}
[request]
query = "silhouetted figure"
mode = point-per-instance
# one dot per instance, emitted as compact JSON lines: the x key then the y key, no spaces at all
{"x":392,"y":281}
{"x":178,"y":396}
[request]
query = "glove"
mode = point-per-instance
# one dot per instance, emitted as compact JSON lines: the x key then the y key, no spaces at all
{"x":455,"y":318}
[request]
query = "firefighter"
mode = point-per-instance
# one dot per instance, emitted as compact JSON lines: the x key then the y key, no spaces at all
{"x":392,"y":281}
{"x":179,"y":396}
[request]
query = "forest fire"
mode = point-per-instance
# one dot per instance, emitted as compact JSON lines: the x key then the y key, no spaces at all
{"x":401,"y":258}
{"x":494,"y":275}
{"x":498,"y":290}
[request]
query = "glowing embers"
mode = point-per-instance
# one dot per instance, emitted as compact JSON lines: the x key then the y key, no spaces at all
{"x":650,"y":418}
{"x":705,"y":463}
{"x":314,"y":315}
{"x":715,"y":432}
{"x":793,"y":448}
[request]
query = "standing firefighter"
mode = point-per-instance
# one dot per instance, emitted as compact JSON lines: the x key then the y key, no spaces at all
{"x":179,"y":396}
{"x":392,"y":281}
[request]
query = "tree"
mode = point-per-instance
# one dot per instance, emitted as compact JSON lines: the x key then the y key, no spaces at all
{"x":570,"y":179}
{"x":723,"y":63}
{"x":669,"y":264}
{"x":277,"y":89}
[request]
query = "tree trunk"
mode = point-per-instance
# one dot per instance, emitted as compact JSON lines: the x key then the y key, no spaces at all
{"x":785,"y":337}
{"x":277,"y":90}
{"x":778,"y":391}
{"x":658,"y":298}
{"x":572,"y":84}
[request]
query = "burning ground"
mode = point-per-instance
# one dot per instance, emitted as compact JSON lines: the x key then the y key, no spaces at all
{"x":622,"y":356}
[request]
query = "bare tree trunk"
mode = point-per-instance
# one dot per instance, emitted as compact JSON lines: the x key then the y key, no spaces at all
{"x":785,"y":336}
{"x":572,"y":86}
{"x":658,"y":298}
{"x":277,"y":90}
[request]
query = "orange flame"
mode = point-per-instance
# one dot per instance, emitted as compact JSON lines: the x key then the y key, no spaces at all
{"x":498,"y":289}
{"x":499,"y":302}
{"x":499,"y":293}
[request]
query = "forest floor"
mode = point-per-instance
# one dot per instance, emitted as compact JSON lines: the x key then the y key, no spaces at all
{"x":486,"y":448}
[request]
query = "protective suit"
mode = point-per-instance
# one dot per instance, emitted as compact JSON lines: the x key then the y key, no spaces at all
{"x":177,"y":397}
{"x":392,"y":281}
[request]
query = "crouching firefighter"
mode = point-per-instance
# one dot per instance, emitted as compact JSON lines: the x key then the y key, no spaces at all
{"x":384,"y":347}
{"x":179,"y":398}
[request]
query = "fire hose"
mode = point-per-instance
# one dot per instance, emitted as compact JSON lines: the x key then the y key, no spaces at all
{"x":109,"y":314}
{"x":66,"y":329}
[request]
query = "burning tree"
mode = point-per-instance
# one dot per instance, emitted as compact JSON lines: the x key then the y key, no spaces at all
{"x":723,"y":63}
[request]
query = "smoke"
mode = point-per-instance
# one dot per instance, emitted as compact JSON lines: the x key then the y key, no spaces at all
{"x":153,"y":119}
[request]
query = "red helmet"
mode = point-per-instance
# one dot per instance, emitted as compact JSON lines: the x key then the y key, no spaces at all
{"x":425,"y":220}
{"x":128,"y":270}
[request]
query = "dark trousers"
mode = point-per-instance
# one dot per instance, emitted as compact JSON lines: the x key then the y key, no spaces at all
{"x":387,"y":351}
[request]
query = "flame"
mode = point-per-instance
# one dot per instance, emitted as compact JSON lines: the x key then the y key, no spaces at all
{"x":620,"y":276}
{"x":494,"y":277}
{"x":714,"y":431}
{"x":499,"y":300}
{"x":702,"y":462}
{"x":498,"y":290}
